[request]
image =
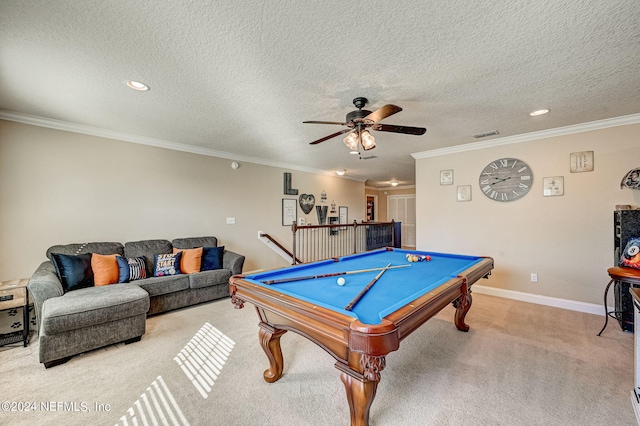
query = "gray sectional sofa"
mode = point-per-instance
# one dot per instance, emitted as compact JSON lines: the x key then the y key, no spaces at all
{"x":76,"y":321}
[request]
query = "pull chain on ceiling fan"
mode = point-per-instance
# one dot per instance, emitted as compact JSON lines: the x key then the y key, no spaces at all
{"x":359,"y":121}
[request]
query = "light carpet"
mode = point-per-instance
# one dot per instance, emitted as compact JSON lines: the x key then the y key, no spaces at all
{"x":520,"y":364}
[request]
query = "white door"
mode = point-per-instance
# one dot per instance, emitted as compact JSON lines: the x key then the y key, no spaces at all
{"x":402,"y":208}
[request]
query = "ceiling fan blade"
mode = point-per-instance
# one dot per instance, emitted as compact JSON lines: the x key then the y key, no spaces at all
{"x":330,"y":136}
{"x":324,"y":122}
{"x":399,"y":129}
{"x":383,"y":113}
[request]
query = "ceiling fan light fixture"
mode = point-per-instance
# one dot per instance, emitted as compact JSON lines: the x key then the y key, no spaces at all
{"x":368,"y":141}
{"x":351,"y":141}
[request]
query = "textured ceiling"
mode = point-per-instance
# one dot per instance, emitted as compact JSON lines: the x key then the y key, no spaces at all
{"x":239,"y":77}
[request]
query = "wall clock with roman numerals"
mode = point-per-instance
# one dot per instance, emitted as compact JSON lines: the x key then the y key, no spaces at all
{"x":506,"y":179}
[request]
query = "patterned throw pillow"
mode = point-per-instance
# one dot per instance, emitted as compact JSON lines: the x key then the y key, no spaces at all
{"x":167,"y":264}
{"x":631,"y":255}
{"x":131,"y":269}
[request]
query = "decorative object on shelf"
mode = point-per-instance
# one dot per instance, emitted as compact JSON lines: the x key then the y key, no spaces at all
{"x":506,"y":179}
{"x":333,"y":207}
{"x":287,"y":185}
{"x":322,"y":214}
{"x":307,"y":201}
{"x":581,"y":162}
{"x":553,"y":186}
{"x":323,"y":197}
{"x":464,"y":193}
{"x":289,"y":211}
{"x":446,"y":177}
{"x":631,"y":180}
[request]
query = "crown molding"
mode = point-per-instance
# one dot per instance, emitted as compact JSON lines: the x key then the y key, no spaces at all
{"x":527,"y":137}
{"x":159,"y":143}
{"x":389,"y":187}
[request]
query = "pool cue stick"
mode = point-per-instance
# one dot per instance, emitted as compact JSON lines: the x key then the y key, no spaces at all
{"x":366,"y":289}
{"x":333,"y":274}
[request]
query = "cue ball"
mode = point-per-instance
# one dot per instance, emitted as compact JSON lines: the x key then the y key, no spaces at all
{"x":341,"y":281}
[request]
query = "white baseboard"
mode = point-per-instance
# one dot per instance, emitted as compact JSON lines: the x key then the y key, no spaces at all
{"x":572,"y":305}
{"x":636,"y":406}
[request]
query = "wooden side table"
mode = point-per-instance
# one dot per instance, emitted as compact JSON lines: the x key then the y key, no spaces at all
{"x":14,"y":294}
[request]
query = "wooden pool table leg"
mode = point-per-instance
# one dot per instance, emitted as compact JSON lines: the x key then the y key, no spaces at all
{"x":270,"y":342}
{"x":361,"y":389}
{"x":462,"y":305}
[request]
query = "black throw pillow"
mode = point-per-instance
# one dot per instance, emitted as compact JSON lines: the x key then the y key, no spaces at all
{"x":74,"y":271}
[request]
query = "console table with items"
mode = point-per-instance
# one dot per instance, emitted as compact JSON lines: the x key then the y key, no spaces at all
{"x":14,"y":295}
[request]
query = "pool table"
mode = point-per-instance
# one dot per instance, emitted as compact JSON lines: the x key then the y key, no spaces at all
{"x":303,"y":299}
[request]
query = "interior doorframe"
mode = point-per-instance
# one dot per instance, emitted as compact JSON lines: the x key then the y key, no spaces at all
{"x":375,"y":206}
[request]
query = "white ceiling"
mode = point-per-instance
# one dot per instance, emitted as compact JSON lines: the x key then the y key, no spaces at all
{"x":238,"y":77}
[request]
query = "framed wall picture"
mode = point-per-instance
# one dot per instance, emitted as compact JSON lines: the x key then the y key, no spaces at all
{"x":553,"y":186}
{"x":446,"y":177}
{"x":289,"y":211}
{"x":581,"y":162}
{"x":464,"y":193}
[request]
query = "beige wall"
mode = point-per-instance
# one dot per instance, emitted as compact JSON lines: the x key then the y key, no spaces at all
{"x":58,"y":187}
{"x":566,"y":240}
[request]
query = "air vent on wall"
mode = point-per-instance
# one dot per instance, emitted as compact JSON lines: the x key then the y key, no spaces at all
{"x":484,"y":135}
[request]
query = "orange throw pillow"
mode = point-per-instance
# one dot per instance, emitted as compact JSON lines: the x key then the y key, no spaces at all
{"x":191,"y":260}
{"x":105,"y":269}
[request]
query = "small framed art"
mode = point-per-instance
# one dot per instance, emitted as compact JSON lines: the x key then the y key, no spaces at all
{"x":553,"y":186}
{"x":581,"y":162}
{"x":289,"y":211}
{"x":446,"y":177}
{"x":464,"y":193}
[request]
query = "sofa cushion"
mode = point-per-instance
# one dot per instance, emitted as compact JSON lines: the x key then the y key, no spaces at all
{"x":92,"y":306}
{"x":73,"y":270}
{"x":105,"y":269}
{"x":157,"y":286}
{"x":212,"y":258}
{"x":191,"y":260}
{"x":147,"y":249}
{"x":78,"y":248}
{"x":193,"y":242}
{"x":209,"y":278}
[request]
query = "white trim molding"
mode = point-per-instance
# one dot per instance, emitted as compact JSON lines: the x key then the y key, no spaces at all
{"x":160,"y":143}
{"x":572,"y":305}
{"x":526,"y":137}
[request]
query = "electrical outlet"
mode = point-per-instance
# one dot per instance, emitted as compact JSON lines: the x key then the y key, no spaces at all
{"x":534,"y":278}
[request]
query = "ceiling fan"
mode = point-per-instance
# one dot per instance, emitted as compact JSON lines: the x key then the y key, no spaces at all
{"x":359,"y":121}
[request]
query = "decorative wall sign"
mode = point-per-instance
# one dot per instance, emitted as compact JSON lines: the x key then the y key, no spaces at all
{"x":581,"y":161}
{"x":333,"y":221}
{"x":307,"y":201}
{"x":287,"y":185}
{"x":322,"y":214}
{"x":289,"y":211}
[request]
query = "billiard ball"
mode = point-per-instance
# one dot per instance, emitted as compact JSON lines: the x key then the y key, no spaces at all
{"x":341,"y":281}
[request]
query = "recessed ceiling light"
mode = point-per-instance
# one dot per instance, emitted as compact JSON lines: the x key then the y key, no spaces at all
{"x":354,"y":152}
{"x":136,"y":85}
{"x":340,"y":172}
{"x":539,"y":112}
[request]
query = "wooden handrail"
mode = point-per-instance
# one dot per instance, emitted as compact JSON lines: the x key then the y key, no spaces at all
{"x":280,"y":246}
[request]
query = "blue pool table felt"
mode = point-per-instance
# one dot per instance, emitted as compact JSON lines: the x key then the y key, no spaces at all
{"x":395,"y":288}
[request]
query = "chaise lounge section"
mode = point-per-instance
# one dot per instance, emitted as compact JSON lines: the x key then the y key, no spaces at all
{"x":76,"y":320}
